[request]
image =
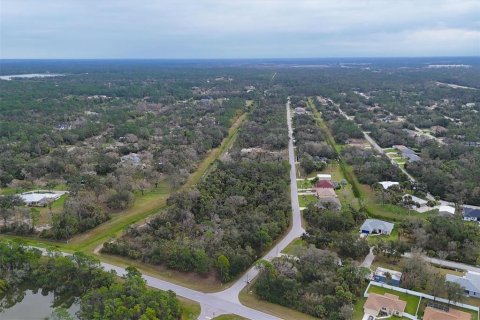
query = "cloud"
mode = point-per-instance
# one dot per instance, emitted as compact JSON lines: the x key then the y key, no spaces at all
{"x":241,"y":28}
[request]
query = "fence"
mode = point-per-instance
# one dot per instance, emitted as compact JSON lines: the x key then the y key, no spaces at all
{"x":422,"y":295}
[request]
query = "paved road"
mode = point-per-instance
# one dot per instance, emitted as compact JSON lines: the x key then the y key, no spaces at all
{"x":380,"y":150}
{"x":231,"y":294}
{"x":367,"y":262}
{"x":446,"y":263}
{"x":227,"y":302}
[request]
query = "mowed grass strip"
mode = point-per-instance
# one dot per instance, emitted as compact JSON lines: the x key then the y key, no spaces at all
{"x":144,"y":206}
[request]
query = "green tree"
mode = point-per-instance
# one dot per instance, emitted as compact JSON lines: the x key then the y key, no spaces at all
{"x":223,"y":265}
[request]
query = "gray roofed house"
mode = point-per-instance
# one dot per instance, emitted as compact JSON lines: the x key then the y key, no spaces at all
{"x":471,"y":214}
{"x":329,"y":203}
{"x":470,"y":283}
{"x":408,"y":153}
{"x":375,"y":226}
{"x":300,"y":110}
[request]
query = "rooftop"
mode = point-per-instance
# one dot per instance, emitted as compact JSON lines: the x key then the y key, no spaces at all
{"x":375,"y":224}
{"x":446,"y":209}
{"x":324,"y":184}
{"x":325,"y":192}
{"x":471,"y":212}
{"x":388,"y":184}
{"x":388,"y":301}
{"x":452,"y":314}
{"x":470,"y":281}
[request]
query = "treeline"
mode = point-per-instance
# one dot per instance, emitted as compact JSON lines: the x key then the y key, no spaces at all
{"x":232,"y":217}
{"x":336,"y":231}
{"x":445,"y":237}
{"x":371,"y":168}
{"x":312,"y":150}
{"x":314,"y":283}
{"x":450,"y":172}
{"x":79,"y":277}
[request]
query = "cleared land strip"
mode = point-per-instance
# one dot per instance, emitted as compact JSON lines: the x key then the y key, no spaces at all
{"x":145,"y":206}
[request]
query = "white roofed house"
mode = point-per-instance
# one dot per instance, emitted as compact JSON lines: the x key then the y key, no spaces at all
{"x":388,"y":184}
{"x":375,"y":226}
{"x":446,"y":210}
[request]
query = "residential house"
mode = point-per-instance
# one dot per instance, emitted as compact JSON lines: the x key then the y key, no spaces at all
{"x":446,"y":210}
{"x":324,"y":176}
{"x":452,"y":314}
{"x":324,"y":184}
{"x":438,"y":130}
{"x":387,"y":276}
{"x":375,"y":226}
{"x":325,"y":192}
{"x":300,"y":110}
{"x":331,"y":203}
{"x":408,"y":153}
{"x":471,"y":214}
{"x":388,"y":184}
{"x":388,"y":304}
{"x":470,"y":282}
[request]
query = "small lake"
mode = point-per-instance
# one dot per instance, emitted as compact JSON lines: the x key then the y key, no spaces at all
{"x":34,"y":306}
{"x":30,"y":75}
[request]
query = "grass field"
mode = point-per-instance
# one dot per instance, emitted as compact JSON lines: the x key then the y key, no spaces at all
{"x":305,"y":200}
{"x":304,"y":184}
{"x":190,"y":309}
{"x":296,"y":244}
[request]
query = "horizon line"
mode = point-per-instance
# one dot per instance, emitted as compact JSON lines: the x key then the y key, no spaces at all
{"x":250,"y":58}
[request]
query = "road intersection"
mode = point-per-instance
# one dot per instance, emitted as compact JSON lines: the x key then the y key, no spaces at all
{"x":227,"y":301}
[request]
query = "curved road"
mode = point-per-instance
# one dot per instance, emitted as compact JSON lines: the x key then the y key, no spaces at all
{"x":227,"y":302}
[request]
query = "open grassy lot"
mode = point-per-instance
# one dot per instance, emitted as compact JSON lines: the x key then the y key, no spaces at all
{"x":190,"y":309}
{"x":294,"y":246}
{"x":304,"y":184}
{"x":305,"y":200}
{"x":412,"y":301}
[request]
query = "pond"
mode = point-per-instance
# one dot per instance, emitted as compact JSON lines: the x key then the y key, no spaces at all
{"x":33,"y":306}
{"x":29,"y":75}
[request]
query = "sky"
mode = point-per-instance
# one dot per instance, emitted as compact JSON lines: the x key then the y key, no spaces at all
{"x":202,"y":29}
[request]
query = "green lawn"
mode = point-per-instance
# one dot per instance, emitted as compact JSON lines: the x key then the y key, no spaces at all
{"x":229,"y":317}
{"x":412,"y":301}
{"x":387,"y":150}
{"x":294,"y":246}
{"x":305,"y":200}
{"x":190,"y":309}
{"x":374,"y":240}
{"x":304,"y":184}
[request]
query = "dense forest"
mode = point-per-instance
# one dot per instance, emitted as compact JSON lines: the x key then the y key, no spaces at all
{"x":313,"y":283}
{"x":336,"y":231}
{"x":233,"y":216}
{"x":312,"y":150}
